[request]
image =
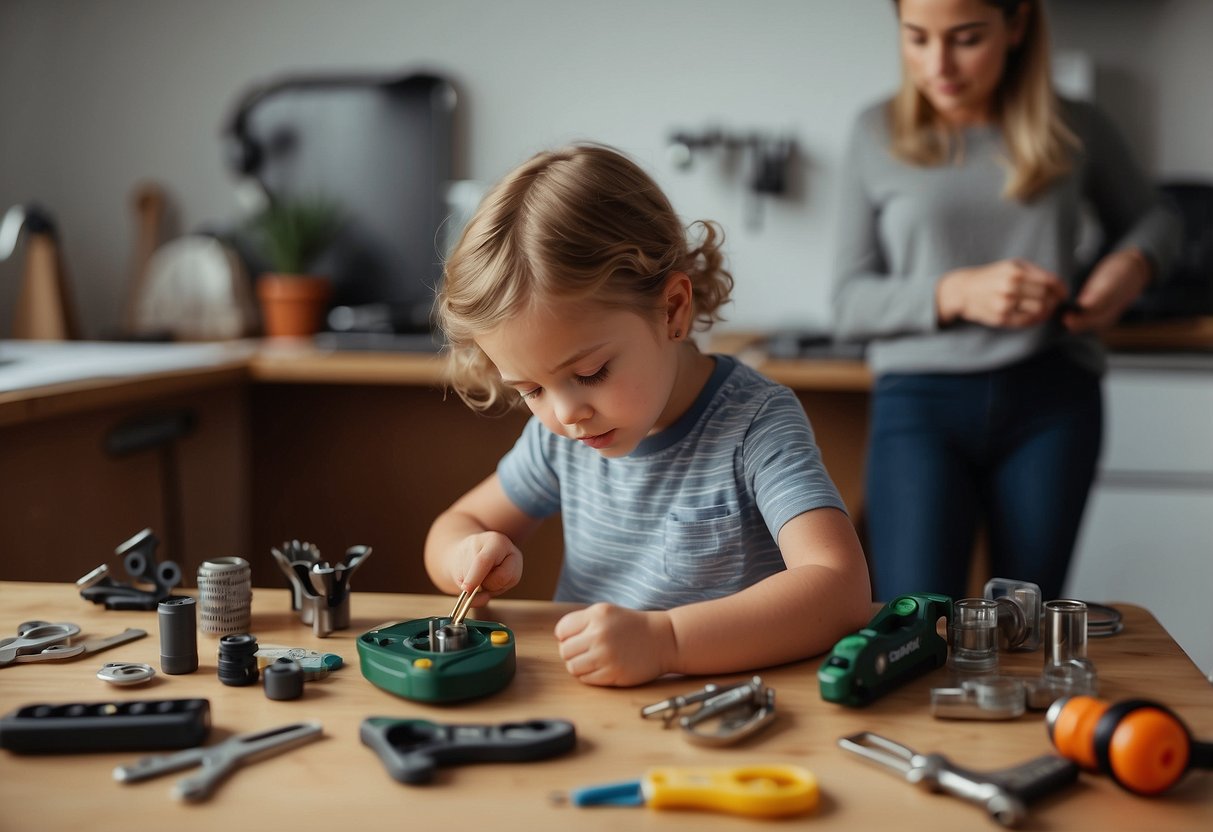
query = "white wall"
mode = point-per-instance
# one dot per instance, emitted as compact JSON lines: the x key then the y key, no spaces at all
{"x":97,"y":96}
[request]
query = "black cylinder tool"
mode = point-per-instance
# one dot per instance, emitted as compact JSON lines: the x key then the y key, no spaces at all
{"x":178,"y":635}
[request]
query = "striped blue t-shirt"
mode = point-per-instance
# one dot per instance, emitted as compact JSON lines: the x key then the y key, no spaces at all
{"x":694,"y":512}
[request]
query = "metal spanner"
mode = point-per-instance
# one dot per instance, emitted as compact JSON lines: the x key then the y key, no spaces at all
{"x":220,"y":760}
{"x":1004,"y":794}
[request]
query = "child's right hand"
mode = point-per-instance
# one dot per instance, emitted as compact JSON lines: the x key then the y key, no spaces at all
{"x":488,"y":560}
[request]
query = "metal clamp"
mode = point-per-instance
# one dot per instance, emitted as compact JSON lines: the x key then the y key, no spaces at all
{"x":139,"y":559}
{"x":738,"y":711}
{"x":320,"y":590}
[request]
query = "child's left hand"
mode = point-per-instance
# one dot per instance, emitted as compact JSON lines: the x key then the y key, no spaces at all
{"x":609,"y":645}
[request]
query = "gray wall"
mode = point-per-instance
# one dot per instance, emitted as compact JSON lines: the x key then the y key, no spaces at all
{"x":98,"y":96}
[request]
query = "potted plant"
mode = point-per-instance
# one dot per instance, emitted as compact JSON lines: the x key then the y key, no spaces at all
{"x":294,"y":232}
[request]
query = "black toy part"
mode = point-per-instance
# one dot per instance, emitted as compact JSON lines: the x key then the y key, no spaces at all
{"x":178,"y":619}
{"x":106,"y":726}
{"x":283,"y":679}
{"x":139,"y":559}
{"x":413,"y":749}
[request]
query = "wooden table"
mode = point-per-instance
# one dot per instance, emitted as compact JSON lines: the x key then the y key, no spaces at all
{"x":338,"y":783}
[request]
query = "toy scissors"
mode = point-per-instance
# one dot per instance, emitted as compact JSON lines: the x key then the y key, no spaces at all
{"x":761,"y":791}
{"x":39,"y":641}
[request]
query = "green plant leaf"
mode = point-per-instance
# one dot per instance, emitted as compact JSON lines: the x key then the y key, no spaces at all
{"x":296,"y":231}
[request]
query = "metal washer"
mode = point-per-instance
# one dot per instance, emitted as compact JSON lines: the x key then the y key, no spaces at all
{"x":1103,"y":621}
{"x":126,"y":673}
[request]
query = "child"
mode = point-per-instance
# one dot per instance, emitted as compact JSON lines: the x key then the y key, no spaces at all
{"x":699,"y":522}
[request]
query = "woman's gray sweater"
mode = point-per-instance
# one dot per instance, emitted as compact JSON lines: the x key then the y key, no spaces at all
{"x":902,"y":227}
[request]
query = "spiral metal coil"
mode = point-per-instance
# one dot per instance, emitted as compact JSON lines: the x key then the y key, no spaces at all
{"x":225,"y":596}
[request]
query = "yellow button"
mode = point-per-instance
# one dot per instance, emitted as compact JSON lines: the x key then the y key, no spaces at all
{"x":499,"y":637}
{"x":423,"y":664}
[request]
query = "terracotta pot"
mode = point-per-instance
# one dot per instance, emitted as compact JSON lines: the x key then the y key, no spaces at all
{"x":293,"y":305}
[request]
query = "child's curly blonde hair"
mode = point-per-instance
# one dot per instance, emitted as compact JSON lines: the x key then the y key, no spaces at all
{"x":583,"y":222}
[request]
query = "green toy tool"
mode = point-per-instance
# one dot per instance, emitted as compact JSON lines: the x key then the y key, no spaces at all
{"x":435,"y":660}
{"x":899,"y":644}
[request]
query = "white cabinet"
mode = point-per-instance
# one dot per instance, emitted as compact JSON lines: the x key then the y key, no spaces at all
{"x":1147,"y":537}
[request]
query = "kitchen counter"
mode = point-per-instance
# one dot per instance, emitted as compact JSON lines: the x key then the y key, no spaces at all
{"x":291,"y":440}
{"x":42,"y":371}
{"x":1179,"y":335}
{"x":46,"y":379}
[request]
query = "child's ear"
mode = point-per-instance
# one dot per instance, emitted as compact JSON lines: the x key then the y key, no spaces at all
{"x":679,"y":312}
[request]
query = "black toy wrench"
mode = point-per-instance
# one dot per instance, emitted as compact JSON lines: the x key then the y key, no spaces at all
{"x":413,"y":749}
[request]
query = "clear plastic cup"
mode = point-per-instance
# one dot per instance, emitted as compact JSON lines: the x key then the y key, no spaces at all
{"x":974,"y":631}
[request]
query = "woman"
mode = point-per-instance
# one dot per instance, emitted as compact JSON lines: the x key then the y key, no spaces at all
{"x":959,"y":221}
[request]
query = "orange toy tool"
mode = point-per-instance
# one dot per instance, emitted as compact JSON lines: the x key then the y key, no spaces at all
{"x":1143,"y":745}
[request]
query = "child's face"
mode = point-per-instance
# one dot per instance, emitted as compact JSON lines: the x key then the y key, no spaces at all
{"x":599,"y":375}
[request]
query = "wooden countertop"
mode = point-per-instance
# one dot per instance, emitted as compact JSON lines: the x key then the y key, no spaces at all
{"x":37,"y":403}
{"x":337,"y":781}
{"x":1176,"y":336}
{"x":301,"y":363}
{"x":288,"y":362}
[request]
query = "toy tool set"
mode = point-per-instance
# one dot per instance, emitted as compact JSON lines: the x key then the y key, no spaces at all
{"x":446,"y":660}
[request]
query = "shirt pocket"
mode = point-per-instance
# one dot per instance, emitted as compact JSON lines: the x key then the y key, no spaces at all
{"x":702,"y":545}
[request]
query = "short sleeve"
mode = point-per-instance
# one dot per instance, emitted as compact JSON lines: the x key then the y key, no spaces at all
{"x":783,"y":463}
{"x":527,"y":474}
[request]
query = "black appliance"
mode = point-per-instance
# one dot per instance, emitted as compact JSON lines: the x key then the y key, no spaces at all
{"x":1188,"y":289}
{"x":381,"y":147}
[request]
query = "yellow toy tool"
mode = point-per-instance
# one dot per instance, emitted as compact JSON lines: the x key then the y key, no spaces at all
{"x":763,"y":791}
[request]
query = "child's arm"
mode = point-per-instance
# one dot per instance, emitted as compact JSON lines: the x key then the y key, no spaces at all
{"x":823,"y":595}
{"x":473,"y":543}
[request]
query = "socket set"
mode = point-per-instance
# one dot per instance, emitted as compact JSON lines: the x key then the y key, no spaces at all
{"x":106,"y":726}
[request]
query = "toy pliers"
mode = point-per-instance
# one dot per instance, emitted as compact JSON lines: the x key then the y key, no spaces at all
{"x":218,"y":761}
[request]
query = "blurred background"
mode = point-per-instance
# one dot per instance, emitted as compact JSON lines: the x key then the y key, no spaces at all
{"x":739,"y":110}
{"x":98,"y":96}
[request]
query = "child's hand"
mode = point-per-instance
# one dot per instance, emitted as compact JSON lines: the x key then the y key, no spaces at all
{"x":609,"y":645}
{"x":488,"y":560}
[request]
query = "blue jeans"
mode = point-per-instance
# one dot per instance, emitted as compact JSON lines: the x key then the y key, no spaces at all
{"x":1015,"y":447}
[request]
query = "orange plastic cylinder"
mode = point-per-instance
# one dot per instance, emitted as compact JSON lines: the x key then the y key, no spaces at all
{"x":1074,"y":730}
{"x":1148,"y":751}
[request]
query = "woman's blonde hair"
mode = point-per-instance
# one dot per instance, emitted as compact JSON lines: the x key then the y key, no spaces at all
{"x":1037,"y":139}
{"x":580,"y":223}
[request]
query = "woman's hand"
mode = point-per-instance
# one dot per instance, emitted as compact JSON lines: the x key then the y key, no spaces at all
{"x":1116,"y":281}
{"x":609,"y":645}
{"x":1011,"y":294}
{"x":488,"y":560}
